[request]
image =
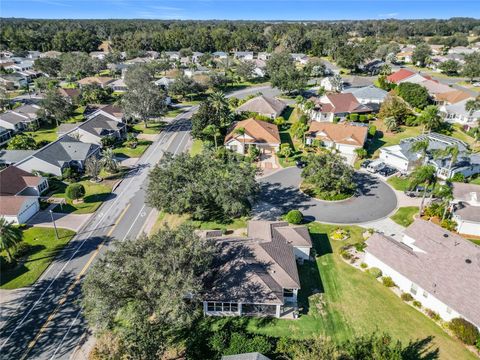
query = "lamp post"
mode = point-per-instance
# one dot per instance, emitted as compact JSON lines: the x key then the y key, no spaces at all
{"x":54,"y":225}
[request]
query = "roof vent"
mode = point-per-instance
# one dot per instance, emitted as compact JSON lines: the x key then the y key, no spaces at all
{"x":445,"y":235}
{"x":468,"y":261}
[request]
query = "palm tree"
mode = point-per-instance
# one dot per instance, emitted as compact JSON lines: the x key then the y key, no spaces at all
{"x":451,"y":151}
{"x":390,"y":123}
{"x":426,"y":175}
{"x":109,"y":161}
{"x":420,"y":146}
{"x":220,"y":105}
{"x":430,"y":118}
{"x":473,"y":105}
{"x":10,"y":236}
{"x":213,"y":131}
{"x":446,"y":194}
{"x":241,"y":132}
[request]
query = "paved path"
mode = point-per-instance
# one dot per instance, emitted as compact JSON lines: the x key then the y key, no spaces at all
{"x":386,"y":226}
{"x":68,"y":221}
{"x":280,"y":192}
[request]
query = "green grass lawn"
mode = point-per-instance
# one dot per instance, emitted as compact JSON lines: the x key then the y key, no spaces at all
{"x":43,"y":248}
{"x":398,"y":183}
{"x":174,"y":112}
{"x":197,"y":147}
{"x":153,"y":128}
{"x":475,"y":241}
{"x":355,"y":303}
{"x":404,"y":215}
{"x":46,"y":133}
{"x":136,"y":152}
{"x":385,"y":138}
{"x":95,"y":195}
{"x":475,"y":181}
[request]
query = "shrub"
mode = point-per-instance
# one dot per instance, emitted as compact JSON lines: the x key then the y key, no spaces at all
{"x":449,"y":224}
{"x":417,"y":303}
{"x":458,"y":177}
{"x":362,"y":118}
{"x":303,"y":119}
{"x":406,"y":297}
{"x":363,"y":265}
{"x":22,"y":249}
{"x":372,"y":130}
{"x":361,"y":153}
{"x":336,"y":119}
{"x":75,"y":191}
{"x":353,"y":117}
{"x":388,"y":282}
{"x":294,"y":217}
{"x":411,"y":120}
{"x":360,"y":246}
{"x":375,"y":272}
{"x":339,"y":234}
{"x":432,"y":314}
{"x":464,"y":330}
{"x":345,"y":254}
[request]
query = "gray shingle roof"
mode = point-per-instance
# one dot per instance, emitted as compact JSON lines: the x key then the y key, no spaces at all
{"x":468,"y":212}
{"x":368,"y":92}
{"x":13,"y":118}
{"x":443,"y":263}
{"x":101,"y":125}
{"x":13,"y":156}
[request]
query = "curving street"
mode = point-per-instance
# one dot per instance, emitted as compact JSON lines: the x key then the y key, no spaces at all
{"x":280,"y":192}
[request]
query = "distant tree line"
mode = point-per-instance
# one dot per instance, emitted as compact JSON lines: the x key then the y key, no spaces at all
{"x":317,"y":38}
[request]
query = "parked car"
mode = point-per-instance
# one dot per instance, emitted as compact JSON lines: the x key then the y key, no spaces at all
{"x":365,"y":164}
{"x":418,"y":192}
{"x":300,"y":164}
{"x":387,"y":171}
{"x":375,"y":166}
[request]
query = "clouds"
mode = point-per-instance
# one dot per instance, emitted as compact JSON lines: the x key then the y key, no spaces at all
{"x":388,"y":15}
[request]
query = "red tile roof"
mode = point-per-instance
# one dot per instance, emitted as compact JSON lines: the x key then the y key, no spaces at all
{"x":260,"y":131}
{"x":342,"y":103}
{"x":400,"y":75}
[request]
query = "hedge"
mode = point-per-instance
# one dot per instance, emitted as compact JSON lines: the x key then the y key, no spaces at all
{"x":464,"y":330}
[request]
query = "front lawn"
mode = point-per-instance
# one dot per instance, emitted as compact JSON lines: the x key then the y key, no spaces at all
{"x":128,"y":152}
{"x":43,"y":248}
{"x":385,"y":138}
{"x":95,"y":195}
{"x":153,"y":127}
{"x":404,"y":215}
{"x":398,"y":183}
{"x":46,"y":133}
{"x":352,"y":303}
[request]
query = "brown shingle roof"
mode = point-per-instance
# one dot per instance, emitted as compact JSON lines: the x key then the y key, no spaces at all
{"x":462,"y":191}
{"x":340,"y":103}
{"x":95,"y":80}
{"x":263,"y":105}
{"x":11,"y":205}
{"x":452,"y":97}
{"x":339,"y":133}
{"x":441,"y":262}
{"x":70,"y":93}
{"x":260,"y":131}
{"x":13,"y":180}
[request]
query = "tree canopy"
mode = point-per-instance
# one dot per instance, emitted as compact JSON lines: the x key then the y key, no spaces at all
{"x":414,"y":94}
{"x":284,"y":74}
{"x":205,"y":186}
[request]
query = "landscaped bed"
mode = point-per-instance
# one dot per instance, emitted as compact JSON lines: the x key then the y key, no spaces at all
{"x":340,"y":301}
{"x":311,"y":191}
{"x":43,"y":246}
{"x":404,"y":215}
{"x":95,"y":195}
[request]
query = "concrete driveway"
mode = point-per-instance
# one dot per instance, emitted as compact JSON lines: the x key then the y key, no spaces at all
{"x":280,"y":192}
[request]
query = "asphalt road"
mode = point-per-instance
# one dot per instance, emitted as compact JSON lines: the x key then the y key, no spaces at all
{"x":48,"y":323}
{"x":280,"y":193}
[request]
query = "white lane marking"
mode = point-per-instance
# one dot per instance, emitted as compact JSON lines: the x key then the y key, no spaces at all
{"x":78,"y":248}
{"x":65,"y":336}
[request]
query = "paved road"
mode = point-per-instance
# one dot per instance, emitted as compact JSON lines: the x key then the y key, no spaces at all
{"x":46,"y":323}
{"x":280,"y":193}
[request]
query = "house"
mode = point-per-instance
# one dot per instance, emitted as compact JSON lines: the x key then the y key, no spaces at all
{"x":257,"y":275}
{"x":13,"y":81}
{"x":434,"y":87}
{"x":300,"y":58}
{"x":344,"y":137}
{"x":113,"y":111}
{"x":246,"y":356}
{"x":5,"y":135}
{"x":100,"y":55}
{"x":20,"y":118}
{"x":51,"y":54}
{"x":72,"y":95}
{"x":400,"y":75}
{"x":243,"y":55}
{"x":19,"y":193}
{"x":118,"y":86}
{"x":451,"y":97}
{"x":461,"y":50}
{"x":356,"y":82}
{"x":404,"y":159}
{"x":466,"y":208}
{"x":456,"y":113}
{"x":220,"y":55}
{"x":368,"y":95}
{"x":332,"y":83}
{"x":264,"y":56}
{"x":164,"y":82}
{"x":263,"y":105}
{"x":101,"y":81}
{"x":98,"y":126}
{"x":437,"y":49}
{"x":53,"y":158}
{"x":196,"y":56}
{"x":21,"y":65}
{"x":330,"y":106}
{"x":258,"y":133}
{"x":437,"y":267}
{"x":405,"y":54}
{"x":172,"y":55}
{"x":372,"y":67}
{"x":11,"y":157}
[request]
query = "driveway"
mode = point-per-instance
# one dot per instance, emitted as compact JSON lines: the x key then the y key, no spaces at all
{"x":68,"y":221}
{"x":280,"y":192}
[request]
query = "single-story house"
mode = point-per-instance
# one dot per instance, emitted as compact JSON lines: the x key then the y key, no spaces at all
{"x":356,"y":82}
{"x":257,"y":133}
{"x":196,"y":56}
{"x":257,"y":275}
{"x":437,"y":267}
{"x":100,"y":55}
{"x":263,"y":105}
{"x":264,"y":56}
{"x":65,"y":152}
{"x":434,"y":87}
{"x":330,"y":106}
{"x":405,"y":55}
{"x":72,"y":95}
{"x":101,"y":81}
{"x":51,"y":54}
{"x":461,"y":50}
{"x":21,"y":65}
{"x":5,"y":135}
{"x":19,"y":193}
{"x":243,"y":55}
{"x":400,"y":75}
{"x":11,"y":157}
{"x":13,"y":81}
{"x":368,"y":95}
{"x":404,"y":159}
{"x":466,"y":208}
{"x":118,"y":85}
{"x":164,"y":82}
{"x":372,"y":67}
{"x":456,"y":113}
{"x":451,"y":97}
{"x":344,"y":137}
{"x":20,"y":118}
{"x":172,"y":55}
{"x":220,"y":55}
{"x":300,"y":58}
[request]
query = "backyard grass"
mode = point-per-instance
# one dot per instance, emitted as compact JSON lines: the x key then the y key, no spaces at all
{"x":404,"y":215}
{"x":174,"y":112}
{"x":386,"y":138}
{"x":125,"y":151}
{"x":43,"y":248}
{"x":475,"y":181}
{"x":153,"y":128}
{"x":401,"y":184}
{"x":197,"y":147}
{"x":46,"y":133}
{"x":354,"y":303}
{"x":95,"y":195}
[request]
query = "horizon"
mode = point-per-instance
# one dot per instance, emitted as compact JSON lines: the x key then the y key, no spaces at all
{"x":234,"y":10}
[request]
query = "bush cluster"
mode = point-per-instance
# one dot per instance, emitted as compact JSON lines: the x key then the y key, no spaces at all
{"x":388,"y":282}
{"x":432,"y":314}
{"x":375,"y":272}
{"x":406,"y":297}
{"x":417,"y":303}
{"x":464,"y":330}
{"x":294,"y":217}
{"x":75,"y":191}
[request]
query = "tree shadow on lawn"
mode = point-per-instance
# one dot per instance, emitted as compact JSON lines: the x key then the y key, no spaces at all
{"x":421,"y":349}
{"x":15,"y":270}
{"x":375,"y":143}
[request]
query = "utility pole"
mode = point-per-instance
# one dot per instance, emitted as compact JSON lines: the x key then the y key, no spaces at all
{"x":54,"y":225}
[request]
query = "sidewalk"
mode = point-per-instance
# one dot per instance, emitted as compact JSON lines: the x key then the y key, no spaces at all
{"x":67,"y":221}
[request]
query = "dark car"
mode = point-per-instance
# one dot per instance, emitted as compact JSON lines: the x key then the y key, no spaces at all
{"x":387,"y":171}
{"x":365,"y":163}
{"x":300,"y":164}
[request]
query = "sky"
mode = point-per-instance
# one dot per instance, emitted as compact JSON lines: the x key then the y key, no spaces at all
{"x":239,"y":10}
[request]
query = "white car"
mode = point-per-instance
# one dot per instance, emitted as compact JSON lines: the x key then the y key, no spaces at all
{"x":375,"y":166}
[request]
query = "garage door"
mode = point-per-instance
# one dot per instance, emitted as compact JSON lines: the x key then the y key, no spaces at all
{"x":30,"y":210}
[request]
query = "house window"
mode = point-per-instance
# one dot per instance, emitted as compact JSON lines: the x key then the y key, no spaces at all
{"x":288,"y":293}
{"x":413,"y":289}
{"x":233,"y":147}
{"x":425,"y":294}
{"x":210,"y":306}
{"x":234,"y":307}
{"x":218,"y":306}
